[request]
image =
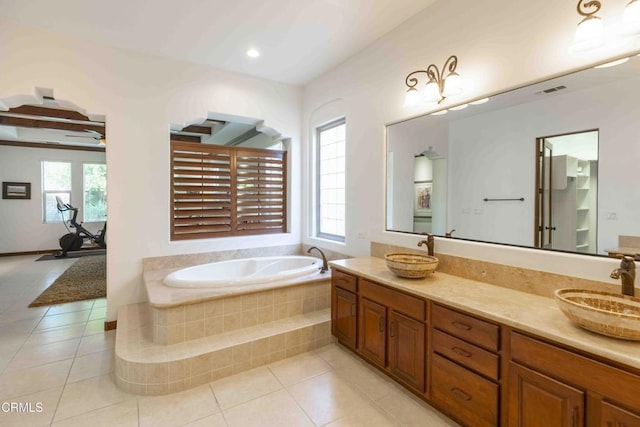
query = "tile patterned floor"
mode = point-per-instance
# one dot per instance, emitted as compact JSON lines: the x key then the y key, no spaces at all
{"x":60,"y":358}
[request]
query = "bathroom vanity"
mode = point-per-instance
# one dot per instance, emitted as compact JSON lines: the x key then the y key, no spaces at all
{"x":484,"y":355}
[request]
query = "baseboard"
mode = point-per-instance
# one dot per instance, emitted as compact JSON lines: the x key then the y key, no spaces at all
{"x":111,"y":325}
{"x":43,"y":251}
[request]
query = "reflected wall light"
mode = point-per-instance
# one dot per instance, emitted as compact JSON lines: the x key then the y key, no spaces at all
{"x":590,"y":33}
{"x":438,"y":86}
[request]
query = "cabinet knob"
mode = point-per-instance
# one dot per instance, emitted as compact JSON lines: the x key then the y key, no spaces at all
{"x":462,"y":326}
{"x":460,"y":394}
{"x":461,"y":352}
{"x":393,"y":329}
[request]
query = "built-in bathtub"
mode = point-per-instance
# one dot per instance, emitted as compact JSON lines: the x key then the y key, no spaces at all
{"x":243,"y":275}
{"x":195,"y":333}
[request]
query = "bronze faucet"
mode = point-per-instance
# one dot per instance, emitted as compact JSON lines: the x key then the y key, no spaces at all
{"x":627,"y":272}
{"x":325,"y":264}
{"x":429,"y":242}
{"x":449,"y":233}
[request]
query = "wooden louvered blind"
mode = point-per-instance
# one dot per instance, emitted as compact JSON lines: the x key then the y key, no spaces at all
{"x":226,"y":191}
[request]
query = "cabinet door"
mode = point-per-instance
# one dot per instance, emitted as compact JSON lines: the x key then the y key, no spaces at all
{"x":614,"y":416}
{"x":406,"y":350}
{"x":536,"y":400}
{"x":372,"y":322}
{"x":344,"y":314}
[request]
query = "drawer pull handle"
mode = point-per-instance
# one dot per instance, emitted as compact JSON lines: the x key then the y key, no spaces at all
{"x":460,"y":394}
{"x":461,"y":352}
{"x":381,"y":323}
{"x":461,"y":326}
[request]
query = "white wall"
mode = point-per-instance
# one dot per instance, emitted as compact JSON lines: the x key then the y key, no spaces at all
{"x":500,"y":45}
{"x":493,"y":155}
{"x":140,"y":96}
{"x":21,"y":221}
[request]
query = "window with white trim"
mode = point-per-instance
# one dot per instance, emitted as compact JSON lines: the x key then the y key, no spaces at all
{"x":330,"y":182}
{"x":56,"y":181}
{"x":94,"y":182}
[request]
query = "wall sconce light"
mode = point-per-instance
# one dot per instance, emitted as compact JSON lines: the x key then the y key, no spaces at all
{"x":590,"y":32}
{"x":631,"y":17}
{"x":438,"y":87}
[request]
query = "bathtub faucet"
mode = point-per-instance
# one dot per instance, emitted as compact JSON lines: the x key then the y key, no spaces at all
{"x":325,"y":265}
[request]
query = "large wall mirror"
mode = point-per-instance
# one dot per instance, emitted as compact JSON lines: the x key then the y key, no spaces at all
{"x":551,"y":165}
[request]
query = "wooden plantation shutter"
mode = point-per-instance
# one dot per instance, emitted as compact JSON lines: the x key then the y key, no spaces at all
{"x":225,"y":191}
{"x":261,"y":191}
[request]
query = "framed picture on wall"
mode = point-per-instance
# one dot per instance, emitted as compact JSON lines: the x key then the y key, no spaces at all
{"x":422,"y":198}
{"x":16,"y":190}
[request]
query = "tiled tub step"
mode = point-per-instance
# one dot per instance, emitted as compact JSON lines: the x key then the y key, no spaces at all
{"x":146,"y":367}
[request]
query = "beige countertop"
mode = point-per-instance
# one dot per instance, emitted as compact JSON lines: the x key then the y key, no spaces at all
{"x":624,"y":250}
{"x":526,"y":312}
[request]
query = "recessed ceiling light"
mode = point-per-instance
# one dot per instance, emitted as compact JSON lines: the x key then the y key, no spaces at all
{"x":613,"y":63}
{"x":253,"y":53}
{"x":479,"y":101}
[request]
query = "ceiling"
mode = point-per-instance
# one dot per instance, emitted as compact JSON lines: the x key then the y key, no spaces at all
{"x":298,"y":39}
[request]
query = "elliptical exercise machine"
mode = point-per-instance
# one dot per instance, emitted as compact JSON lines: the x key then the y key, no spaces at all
{"x":74,"y":240}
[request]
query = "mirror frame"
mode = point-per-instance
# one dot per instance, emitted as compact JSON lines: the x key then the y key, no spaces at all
{"x":489,"y":95}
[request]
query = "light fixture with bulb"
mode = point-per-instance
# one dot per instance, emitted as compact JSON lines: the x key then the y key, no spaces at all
{"x":438,"y":87}
{"x":590,"y":33}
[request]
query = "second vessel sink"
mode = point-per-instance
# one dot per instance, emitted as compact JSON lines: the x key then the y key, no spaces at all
{"x":411,"y":266}
{"x":609,"y":314}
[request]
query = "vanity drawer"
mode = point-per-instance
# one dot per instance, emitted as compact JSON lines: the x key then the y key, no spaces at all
{"x":398,"y":301}
{"x":473,"y":357}
{"x":468,"y":328}
{"x":344,"y":280}
{"x":465,"y":395}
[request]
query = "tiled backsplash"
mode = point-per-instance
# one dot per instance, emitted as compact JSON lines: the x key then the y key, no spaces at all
{"x":522,"y":279}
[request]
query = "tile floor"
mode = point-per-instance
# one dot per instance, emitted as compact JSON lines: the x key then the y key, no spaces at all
{"x":60,"y":360}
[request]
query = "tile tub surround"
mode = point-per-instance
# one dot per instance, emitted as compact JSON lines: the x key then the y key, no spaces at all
{"x":185,"y":337}
{"x":537,"y":315}
{"x":189,"y":260}
{"x":222,"y":313}
{"x":147,"y":368}
{"x":521,"y":279}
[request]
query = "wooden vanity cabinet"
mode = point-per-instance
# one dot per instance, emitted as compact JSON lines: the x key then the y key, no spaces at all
{"x":543,"y":401}
{"x":614,"y":416}
{"x":392,"y":332}
{"x":480,"y":373}
{"x":550,"y":386}
{"x":344,"y":308}
{"x":465,"y":366}
{"x":373,"y":332}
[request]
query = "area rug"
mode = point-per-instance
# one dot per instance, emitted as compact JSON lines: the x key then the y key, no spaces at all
{"x":75,"y":254}
{"x":85,"y":279}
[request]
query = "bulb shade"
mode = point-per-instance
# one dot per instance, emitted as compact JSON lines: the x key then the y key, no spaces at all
{"x":631,"y":18}
{"x":589,"y":35}
{"x":452,"y":85}
{"x":432,"y":92}
{"x":411,"y":98}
